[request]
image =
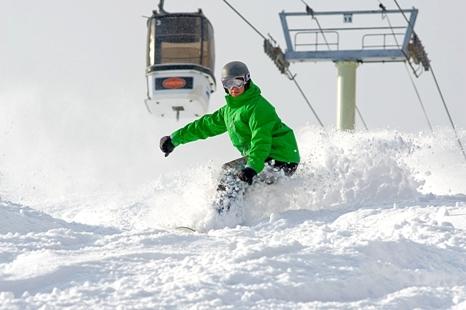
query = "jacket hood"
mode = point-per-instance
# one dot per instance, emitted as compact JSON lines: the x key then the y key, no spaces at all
{"x":252,"y":92}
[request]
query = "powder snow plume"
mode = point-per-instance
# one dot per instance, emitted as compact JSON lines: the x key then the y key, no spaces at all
{"x":338,"y":171}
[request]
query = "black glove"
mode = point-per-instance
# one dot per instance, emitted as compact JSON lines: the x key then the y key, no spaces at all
{"x":247,"y":174}
{"x":166,"y":145}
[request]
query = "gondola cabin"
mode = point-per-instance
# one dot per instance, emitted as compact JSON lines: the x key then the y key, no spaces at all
{"x":180,"y":64}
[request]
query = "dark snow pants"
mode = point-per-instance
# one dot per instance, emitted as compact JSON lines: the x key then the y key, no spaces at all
{"x":231,"y":188}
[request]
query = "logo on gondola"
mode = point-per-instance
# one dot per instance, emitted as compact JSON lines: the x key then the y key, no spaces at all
{"x":174,"y":83}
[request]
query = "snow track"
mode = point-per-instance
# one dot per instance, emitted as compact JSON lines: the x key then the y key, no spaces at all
{"x":400,"y":257}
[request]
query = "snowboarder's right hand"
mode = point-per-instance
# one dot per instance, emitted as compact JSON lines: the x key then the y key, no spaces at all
{"x":166,"y":145}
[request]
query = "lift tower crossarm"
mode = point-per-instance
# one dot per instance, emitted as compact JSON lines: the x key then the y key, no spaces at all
{"x":336,"y":53}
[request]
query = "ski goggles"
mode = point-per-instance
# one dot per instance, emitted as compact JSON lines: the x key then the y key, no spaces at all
{"x":237,"y":81}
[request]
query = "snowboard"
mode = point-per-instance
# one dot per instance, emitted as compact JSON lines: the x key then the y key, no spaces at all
{"x":185,"y":229}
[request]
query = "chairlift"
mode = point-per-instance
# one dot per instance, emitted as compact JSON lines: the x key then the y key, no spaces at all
{"x":180,"y":63}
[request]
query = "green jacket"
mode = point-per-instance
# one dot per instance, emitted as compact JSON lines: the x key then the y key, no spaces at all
{"x":253,"y":126}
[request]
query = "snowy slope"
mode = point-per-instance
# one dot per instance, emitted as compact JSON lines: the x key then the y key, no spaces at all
{"x":370,"y":220}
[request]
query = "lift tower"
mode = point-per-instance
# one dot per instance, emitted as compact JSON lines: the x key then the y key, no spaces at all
{"x":349,"y":38}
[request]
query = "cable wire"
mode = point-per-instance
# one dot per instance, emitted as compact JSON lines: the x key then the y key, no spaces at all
{"x":419,"y":99}
{"x":448,"y":113}
{"x":305,"y":97}
{"x":245,"y":20}
{"x":290,"y":75}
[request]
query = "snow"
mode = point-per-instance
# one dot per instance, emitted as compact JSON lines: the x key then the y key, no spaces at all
{"x":373,"y":220}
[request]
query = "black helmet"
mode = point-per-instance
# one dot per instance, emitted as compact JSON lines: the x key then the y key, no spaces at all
{"x":234,"y":69}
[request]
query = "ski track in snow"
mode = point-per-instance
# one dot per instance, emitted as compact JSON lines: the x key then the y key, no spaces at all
{"x":370,"y":220}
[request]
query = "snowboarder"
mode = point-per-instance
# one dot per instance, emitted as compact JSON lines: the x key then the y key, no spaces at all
{"x":254,"y":129}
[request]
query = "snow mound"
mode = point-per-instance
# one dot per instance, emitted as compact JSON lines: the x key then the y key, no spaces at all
{"x":17,"y":219}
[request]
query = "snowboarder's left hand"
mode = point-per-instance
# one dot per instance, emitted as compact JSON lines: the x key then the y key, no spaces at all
{"x":247,"y":174}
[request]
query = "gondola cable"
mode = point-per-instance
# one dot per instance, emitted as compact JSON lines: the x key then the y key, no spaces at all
{"x":245,"y":20}
{"x":283,"y":65}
